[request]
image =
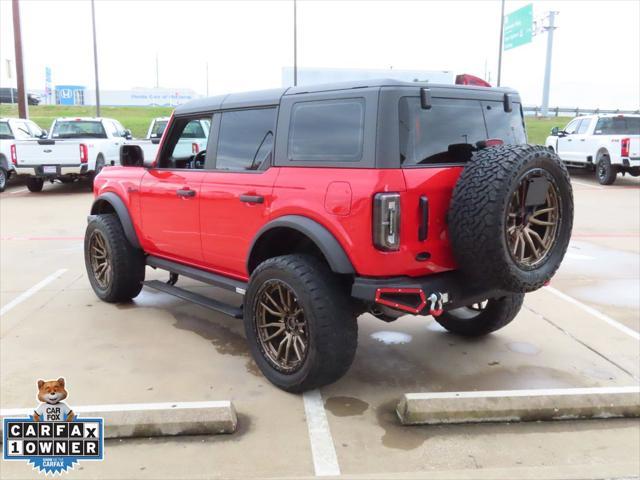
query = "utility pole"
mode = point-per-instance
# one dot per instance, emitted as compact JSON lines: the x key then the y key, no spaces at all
{"x":95,"y":57}
{"x":295,"y":43}
{"x":501,"y":40}
{"x":17,"y":40}
{"x":547,"y":68}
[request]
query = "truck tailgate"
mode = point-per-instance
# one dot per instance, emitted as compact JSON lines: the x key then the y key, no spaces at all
{"x":49,"y":152}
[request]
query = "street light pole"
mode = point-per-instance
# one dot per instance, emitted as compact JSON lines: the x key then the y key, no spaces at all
{"x":17,"y":40}
{"x":501,"y":40}
{"x":95,"y":57}
{"x":547,"y":68}
{"x":295,"y":43}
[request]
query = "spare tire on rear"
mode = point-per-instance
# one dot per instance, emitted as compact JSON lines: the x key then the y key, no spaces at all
{"x":511,"y":216}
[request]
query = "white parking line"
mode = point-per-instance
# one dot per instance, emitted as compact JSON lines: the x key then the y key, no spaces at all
{"x":614,"y":323}
{"x":25,"y":295}
{"x":583,"y":184}
{"x":19,"y":191}
{"x":323,"y":451}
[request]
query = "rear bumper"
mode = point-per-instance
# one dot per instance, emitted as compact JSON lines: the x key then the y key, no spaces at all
{"x":61,"y":170}
{"x":411,"y":294}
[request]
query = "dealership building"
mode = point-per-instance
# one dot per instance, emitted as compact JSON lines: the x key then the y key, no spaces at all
{"x":80,"y":95}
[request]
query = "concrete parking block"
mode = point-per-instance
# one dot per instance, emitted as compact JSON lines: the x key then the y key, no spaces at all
{"x":155,"y":419}
{"x":518,"y":405}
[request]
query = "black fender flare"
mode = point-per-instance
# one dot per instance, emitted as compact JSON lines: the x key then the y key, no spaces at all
{"x":330,"y":247}
{"x":123,"y":214}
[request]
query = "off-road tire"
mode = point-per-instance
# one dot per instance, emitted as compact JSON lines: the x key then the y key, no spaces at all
{"x":3,"y":179}
{"x":332,"y":328}
{"x":470,"y":323}
{"x":605,"y":172}
{"x":127,"y":262}
{"x":478,"y":216}
{"x":35,"y":184}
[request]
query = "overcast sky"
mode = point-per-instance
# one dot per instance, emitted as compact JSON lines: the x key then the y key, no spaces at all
{"x":596,"y":58}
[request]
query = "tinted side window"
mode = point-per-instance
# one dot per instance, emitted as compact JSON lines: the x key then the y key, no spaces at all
{"x":327,"y":130}
{"x":446,"y":133}
{"x":245,"y":141}
{"x":506,"y":126}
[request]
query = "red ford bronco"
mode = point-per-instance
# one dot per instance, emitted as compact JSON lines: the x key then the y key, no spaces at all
{"x":317,"y":204}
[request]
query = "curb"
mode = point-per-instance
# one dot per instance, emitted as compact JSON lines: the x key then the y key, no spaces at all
{"x":155,"y":419}
{"x":518,"y":405}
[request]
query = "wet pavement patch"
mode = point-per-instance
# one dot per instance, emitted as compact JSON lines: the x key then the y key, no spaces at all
{"x":224,"y":339}
{"x":391,"y":338}
{"x":345,"y":406}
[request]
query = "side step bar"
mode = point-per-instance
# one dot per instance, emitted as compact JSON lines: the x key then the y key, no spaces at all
{"x":236,"y":286}
{"x":192,"y":297}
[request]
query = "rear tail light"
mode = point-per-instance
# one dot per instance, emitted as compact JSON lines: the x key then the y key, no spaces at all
{"x":84,"y":153}
{"x":624,"y":147}
{"x":195,"y":148}
{"x":14,"y":156}
{"x":386,"y":221}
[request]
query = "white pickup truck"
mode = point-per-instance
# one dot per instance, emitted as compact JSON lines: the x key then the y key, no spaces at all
{"x":193,"y":140}
{"x":606,"y":144}
{"x":75,"y":148}
{"x":12,"y":129}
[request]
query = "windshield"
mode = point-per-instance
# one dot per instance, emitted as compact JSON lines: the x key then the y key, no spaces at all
{"x":158,"y":129}
{"x":78,"y":129}
{"x":618,"y":126}
{"x":5,"y":131}
{"x":449,"y":131}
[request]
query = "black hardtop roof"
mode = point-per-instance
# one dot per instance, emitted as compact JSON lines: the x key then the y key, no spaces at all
{"x":272,"y":97}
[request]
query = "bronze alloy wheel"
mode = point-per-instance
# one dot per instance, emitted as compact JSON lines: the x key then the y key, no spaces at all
{"x":100,"y":259}
{"x":281,"y":326}
{"x":532,"y":230}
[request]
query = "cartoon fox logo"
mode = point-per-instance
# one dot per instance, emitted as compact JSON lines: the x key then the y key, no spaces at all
{"x":52,"y":408}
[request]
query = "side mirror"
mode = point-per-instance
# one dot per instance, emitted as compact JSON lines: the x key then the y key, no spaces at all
{"x":131,"y":156}
{"x":43,"y":134}
{"x":127,"y":134}
{"x":555,"y":131}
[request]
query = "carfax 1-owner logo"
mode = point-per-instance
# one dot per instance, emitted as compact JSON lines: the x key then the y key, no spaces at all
{"x":53,"y":438}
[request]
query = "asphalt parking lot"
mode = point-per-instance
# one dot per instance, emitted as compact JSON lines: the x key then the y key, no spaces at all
{"x":582,"y":331}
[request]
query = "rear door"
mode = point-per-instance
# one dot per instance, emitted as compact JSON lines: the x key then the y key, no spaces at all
{"x":170,"y":199}
{"x":237,"y":189}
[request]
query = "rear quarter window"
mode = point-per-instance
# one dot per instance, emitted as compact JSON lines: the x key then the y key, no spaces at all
{"x":331,"y":130}
{"x":5,"y":131}
{"x":448,"y":131}
{"x":618,"y":126}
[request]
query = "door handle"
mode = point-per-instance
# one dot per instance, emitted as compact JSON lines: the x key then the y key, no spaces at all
{"x":186,"y":192}
{"x":569,"y":140}
{"x":251,"y":198}
{"x":582,"y":139}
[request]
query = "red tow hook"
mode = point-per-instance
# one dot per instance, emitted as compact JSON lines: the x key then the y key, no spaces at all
{"x":435,"y":304}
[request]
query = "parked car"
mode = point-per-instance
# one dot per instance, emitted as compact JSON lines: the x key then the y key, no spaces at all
{"x":192,"y":141}
{"x":316,"y":204}
{"x":606,"y":144}
{"x":12,"y":129}
{"x":75,"y":148}
{"x":10,"y":95}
